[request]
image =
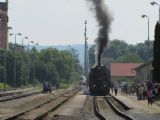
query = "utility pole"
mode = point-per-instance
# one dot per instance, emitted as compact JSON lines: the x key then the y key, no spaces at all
{"x":148,"y":71}
{"x":14,"y":67}
{"x":4,"y":82}
{"x":85,"y":52}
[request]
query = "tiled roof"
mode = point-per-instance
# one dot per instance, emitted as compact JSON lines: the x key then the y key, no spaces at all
{"x":123,"y":69}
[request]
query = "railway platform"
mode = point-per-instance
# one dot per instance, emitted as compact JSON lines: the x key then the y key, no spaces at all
{"x":140,"y":109}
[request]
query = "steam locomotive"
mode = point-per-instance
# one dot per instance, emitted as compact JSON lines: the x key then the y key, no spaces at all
{"x":99,"y":81}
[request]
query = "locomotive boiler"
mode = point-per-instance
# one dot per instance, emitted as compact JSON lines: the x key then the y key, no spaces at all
{"x":99,"y":81}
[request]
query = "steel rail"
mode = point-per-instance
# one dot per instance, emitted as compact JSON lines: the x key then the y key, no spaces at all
{"x":116,"y":110}
{"x":14,"y":117}
{"x":126,"y":107}
{"x":4,"y":99}
{"x":55,"y":107}
{"x":96,"y":109}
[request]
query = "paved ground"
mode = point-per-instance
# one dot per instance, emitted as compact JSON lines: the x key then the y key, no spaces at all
{"x":11,"y":107}
{"x":72,"y":105}
{"x":140,"y":109}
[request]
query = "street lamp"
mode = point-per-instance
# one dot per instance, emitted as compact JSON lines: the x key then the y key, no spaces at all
{"x":9,"y":28}
{"x":23,"y":39}
{"x":145,"y":16}
{"x":22,"y":59}
{"x":28,"y":44}
{"x":154,"y":3}
{"x":29,"y":63}
{"x":36,"y":44}
{"x":34,"y":70}
{"x":17,"y":34}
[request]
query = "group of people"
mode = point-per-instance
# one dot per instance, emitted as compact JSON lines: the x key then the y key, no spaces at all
{"x":47,"y":87}
{"x":148,"y":91}
{"x":114,"y":88}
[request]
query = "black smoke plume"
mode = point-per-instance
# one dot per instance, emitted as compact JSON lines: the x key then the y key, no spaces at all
{"x":104,"y":22}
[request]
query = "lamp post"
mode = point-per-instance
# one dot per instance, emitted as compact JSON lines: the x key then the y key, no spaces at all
{"x":34,"y":70}
{"x":29,"y":63}
{"x":28,"y":44}
{"x":14,"y":82}
{"x":85,"y":51}
{"x":145,"y":16}
{"x":15,"y":35}
{"x":23,"y":51}
{"x":23,"y":39}
{"x":155,"y":3}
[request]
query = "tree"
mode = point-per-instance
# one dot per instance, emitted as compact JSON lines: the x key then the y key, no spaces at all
{"x":129,"y":58}
{"x":120,"y":51}
{"x":36,"y":66}
{"x":156,"y":60}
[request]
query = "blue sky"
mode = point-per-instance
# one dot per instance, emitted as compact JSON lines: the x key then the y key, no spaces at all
{"x":54,"y":22}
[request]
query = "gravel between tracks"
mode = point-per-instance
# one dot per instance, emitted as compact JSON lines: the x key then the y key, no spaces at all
{"x":12,"y":107}
{"x":141,"y":110}
{"x":89,"y":109}
{"x":107,"y":111}
{"x":86,"y":113}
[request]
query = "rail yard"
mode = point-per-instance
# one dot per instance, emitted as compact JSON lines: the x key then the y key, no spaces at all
{"x":76,"y":72}
{"x":76,"y":104}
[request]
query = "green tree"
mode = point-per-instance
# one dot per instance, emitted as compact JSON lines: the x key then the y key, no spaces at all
{"x":129,"y":58}
{"x":156,"y":60}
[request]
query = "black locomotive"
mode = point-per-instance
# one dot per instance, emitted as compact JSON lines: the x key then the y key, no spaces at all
{"x":99,"y":81}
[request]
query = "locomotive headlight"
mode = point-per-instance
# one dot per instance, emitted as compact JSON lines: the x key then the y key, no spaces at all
{"x":94,"y":85}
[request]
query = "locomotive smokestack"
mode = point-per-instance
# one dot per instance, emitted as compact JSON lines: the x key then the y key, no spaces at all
{"x":104,"y":22}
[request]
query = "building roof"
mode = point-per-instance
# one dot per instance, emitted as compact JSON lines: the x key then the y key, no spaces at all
{"x":123,"y":69}
{"x":142,"y":65}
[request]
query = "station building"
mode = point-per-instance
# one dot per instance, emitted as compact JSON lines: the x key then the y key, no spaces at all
{"x":121,"y":72}
{"x":3,"y":25}
{"x":144,"y":72}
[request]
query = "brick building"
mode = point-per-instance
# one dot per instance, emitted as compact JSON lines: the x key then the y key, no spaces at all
{"x":3,"y":24}
{"x":123,"y":71}
{"x":144,"y":72}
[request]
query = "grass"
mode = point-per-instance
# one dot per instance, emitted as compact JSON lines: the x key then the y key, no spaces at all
{"x":2,"y":86}
{"x":64,"y":85}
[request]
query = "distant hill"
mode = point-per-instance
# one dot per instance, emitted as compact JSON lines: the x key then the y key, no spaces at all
{"x":79,"y":47}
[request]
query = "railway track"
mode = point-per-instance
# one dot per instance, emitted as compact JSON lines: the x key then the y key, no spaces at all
{"x":10,"y":92}
{"x":109,"y":108}
{"x":7,"y":93}
{"x":17,"y":95}
{"x":40,"y":111}
{"x":96,"y":109}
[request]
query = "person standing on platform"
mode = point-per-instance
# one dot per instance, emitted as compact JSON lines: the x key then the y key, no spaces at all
{"x":149,"y":96}
{"x":115,"y":89}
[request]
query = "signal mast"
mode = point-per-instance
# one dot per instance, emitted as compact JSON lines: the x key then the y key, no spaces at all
{"x":86,"y":62}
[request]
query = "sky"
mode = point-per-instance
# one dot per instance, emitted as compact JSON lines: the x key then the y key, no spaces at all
{"x":61,"y":22}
